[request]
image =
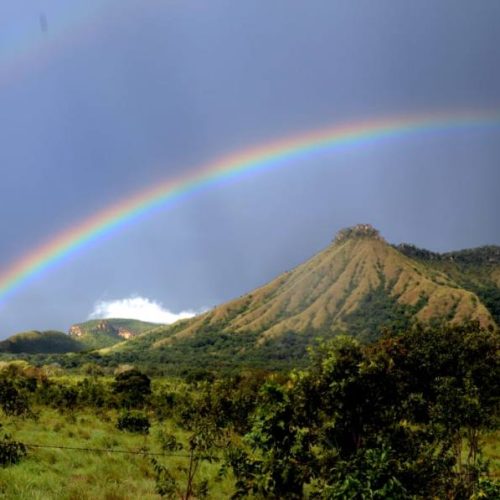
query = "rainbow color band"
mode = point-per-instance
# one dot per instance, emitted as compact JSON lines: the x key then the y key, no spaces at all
{"x":266,"y":157}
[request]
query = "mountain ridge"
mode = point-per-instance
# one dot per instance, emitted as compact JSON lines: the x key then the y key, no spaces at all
{"x":357,"y":285}
{"x":327,"y":288}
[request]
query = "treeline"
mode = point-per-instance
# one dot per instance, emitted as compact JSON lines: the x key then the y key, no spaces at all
{"x":209,"y":351}
{"x":400,"y":418}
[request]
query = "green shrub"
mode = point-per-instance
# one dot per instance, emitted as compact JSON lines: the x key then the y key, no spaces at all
{"x":134,"y":421}
{"x":11,"y":452}
{"x":13,"y":401}
{"x":132,"y":388}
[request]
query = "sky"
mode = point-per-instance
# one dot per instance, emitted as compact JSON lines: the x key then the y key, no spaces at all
{"x":100,"y":99}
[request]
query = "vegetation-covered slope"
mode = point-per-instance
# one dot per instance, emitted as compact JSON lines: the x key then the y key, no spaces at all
{"x":357,"y":285}
{"x":99,"y":333}
{"x":35,"y":342}
{"x":475,"y":269}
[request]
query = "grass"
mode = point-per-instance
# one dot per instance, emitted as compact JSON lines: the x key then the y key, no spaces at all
{"x":48,"y":473}
{"x":71,"y":474}
{"x":491,"y":450}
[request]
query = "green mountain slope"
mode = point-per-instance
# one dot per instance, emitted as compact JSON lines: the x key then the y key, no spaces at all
{"x":475,"y":269}
{"x":99,"y":333}
{"x":357,"y":285}
{"x":35,"y":342}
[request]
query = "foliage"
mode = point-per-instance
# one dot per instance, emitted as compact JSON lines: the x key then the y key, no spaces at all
{"x":379,"y":310}
{"x":133,"y":387}
{"x":202,"y":447}
{"x":92,"y":392}
{"x":11,"y":452}
{"x":489,"y":294}
{"x":487,"y":490}
{"x":284,"y":459}
{"x":12,"y":399}
{"x":386,"y":420}
{"x":168,"y":442}
{"x":403,"y":417}
{"x":133,"y":421}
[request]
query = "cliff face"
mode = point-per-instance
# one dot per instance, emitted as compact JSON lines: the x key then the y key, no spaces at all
{"x":107,"y":332}
{"x":75,"y":331}
{"x":125,"y":334}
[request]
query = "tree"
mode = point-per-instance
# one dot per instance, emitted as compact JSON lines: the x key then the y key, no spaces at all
{"x":280,"y":462}
{"x":387,"y":420}
{"x":133,"y":388}
{"x":203,"y":446}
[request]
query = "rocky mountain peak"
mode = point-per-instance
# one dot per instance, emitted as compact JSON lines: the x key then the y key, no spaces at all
{"x":358,"y":231}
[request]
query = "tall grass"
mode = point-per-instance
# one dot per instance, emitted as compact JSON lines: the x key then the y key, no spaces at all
{"x":48,"y":473}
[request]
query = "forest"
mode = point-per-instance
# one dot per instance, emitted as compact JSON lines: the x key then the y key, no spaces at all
{"x":411,"y":415}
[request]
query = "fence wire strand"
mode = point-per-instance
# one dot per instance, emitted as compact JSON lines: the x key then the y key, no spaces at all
{"x":149,"y":453}
{"x":106,"y":450}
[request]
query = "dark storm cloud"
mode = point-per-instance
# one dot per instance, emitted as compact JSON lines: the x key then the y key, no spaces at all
{"x":152,"y":89}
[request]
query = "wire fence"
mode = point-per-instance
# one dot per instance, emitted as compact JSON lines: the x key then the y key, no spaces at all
{"x":107,"y":450}
{"x":494,"y":474}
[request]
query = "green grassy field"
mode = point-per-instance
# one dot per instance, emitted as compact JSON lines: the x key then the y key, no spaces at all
{"x":50,"y":473}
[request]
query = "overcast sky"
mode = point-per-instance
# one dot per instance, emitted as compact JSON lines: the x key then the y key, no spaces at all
{"x":100,"y":99}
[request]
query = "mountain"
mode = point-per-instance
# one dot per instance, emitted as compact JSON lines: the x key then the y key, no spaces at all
{"x":35,"y":342}
{"x":357,"y":285}
{"x":475,"y":269}
{"x":99,"y":333}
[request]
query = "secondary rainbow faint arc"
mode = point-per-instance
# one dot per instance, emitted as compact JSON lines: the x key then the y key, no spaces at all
{"x":258,"y":158}
{"x":32,"y":49}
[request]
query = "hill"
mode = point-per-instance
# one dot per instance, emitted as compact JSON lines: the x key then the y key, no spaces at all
{"x":99,"y":333}
{"x":35,"y":342}
{"x":357,"y":285}
{"x":475,"y":269}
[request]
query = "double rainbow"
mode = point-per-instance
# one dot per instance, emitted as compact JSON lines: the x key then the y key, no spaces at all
{"x":261,"y":158}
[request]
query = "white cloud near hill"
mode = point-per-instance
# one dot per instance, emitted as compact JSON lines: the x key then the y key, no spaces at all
{"x":140,"y":308}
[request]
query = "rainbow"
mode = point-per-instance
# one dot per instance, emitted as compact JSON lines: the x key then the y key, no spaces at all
{"x":233,"y":167}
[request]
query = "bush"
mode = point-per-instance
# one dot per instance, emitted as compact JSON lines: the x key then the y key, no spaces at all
{"x":134,"y":421}
{"x":132,"y":387}
{"x":11,"y":452}
{"x":12,"y":401}
{"x":401,"y":418}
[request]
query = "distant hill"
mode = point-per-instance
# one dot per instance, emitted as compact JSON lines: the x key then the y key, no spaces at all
{"x":357,"y":285}
{"x":99,"y":333}
{"x":89,"y":335}
{"x":35,"y":342}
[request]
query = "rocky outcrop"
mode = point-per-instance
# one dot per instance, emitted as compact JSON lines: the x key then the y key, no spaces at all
{"x":125,"y":334}
{"x":98,"y":333}
{"x":358,"y":231}
{"x":76,"y":331}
